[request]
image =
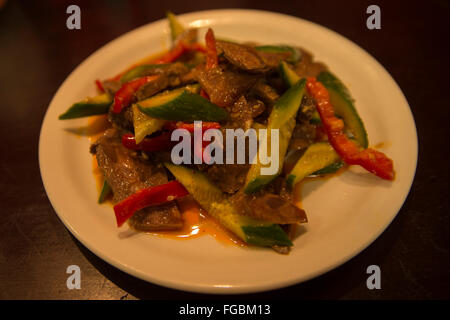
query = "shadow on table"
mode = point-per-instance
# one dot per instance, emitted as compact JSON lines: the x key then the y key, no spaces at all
{"x":342,"y":282}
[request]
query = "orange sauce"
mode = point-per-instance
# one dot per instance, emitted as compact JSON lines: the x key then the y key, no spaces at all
{"x":381,"y":145}
{"x":197,"y":223}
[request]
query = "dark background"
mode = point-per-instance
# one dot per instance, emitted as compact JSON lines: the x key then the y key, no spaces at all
{"x":37,"y":52}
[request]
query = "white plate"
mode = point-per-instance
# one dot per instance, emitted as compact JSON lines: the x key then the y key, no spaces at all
{"x":345,"y":213}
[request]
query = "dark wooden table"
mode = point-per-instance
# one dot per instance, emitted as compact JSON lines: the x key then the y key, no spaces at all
{"x":37,"y":52}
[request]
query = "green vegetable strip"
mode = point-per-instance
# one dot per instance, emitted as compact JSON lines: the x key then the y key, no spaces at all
{"x":88,"y":107}
{"x":106,"y":191}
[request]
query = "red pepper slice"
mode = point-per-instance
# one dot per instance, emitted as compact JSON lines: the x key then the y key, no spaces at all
{"x":372,"y":160}
{"x":204,"y":94}
{"x":168,"y":57}
{"x":99,"y":85}
{"x":179,"y":49}
{"x":197,"y":47}
{"x":123,"y":96}
{"x":151,"y":196}
{"x":161,"y":142}
{"x":212,"y":61}
{"x":172,"y":125}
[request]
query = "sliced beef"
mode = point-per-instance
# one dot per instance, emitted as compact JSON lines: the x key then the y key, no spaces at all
{"x":242,"y":112}
{"x":306,"y":109}
{"x":272,"y":59}
{"x":242,"y":56}
{"x":303,"y":136}
{"x":127,"y":173}
{"x":268,"y":207}
{"x":307,"y":67}
{"x":304,"y":133}
{"x":175,"y":69}
{"x":111,"y":86}
{"x":225,"y":86}
{"x":264,"y":91}
{"x":162,"y":217}
{"x":122,"y":121}
{"x":228,"y":177}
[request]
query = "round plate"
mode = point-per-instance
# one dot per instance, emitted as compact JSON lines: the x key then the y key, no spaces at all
{"x":346,"y":213}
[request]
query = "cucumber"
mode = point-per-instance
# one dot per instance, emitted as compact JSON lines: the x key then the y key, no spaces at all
{"x":106,"y":191}
{"x":290,"y":78}
{"x":316,"y":157}
{"x":182,"y":105}
{"x":140,"y":71}
{"x":343,"y":107}
{"x":176,"y":28}
{"x":282,"y":118}
{"x":144,"y":125}
{"x":211,"y":198}
{"x":295,"y":53}
{"x":315,"y":118}
{"x":287,"y":74}
{"x":88,"y":107}
{"x":332,"y":168}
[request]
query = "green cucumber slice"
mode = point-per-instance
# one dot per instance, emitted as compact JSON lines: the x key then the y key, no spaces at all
{"x":316,"y":157}
{"x":182,"y":105}
{"x":88,"y":107}
{"x":287,"y":74}
{"x":332,"y":168}
{"x":295,"y":53}
{"x":282,"y":118}
{"x":144,"y":125}
{"x":343,"y":107}
{"x":176,"y":28}
{"x":211,"y":198}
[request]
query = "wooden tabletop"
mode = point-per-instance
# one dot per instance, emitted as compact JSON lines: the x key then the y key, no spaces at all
{"x":37,"y":52}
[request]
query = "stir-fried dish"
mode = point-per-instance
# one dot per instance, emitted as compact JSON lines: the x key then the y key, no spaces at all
{"x":225,"y":85}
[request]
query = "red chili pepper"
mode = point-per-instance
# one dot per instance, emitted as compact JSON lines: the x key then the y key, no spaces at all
{"x":172,"y":125}
{"x":179,"y":49}
{"x":99,"y":85}
{"x":151,"y":196}
{"x":197,"y":47}
{"x":372,"y":160}
{"x":212,"y":61}
{"x":161,"y":142}
{"x":204,"y":94}
{"x":123,"y":96}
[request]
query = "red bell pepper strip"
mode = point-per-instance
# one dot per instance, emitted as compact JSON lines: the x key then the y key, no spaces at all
{"x":179,"y":49}
{"x":197,"y":47}
{"x":204,"y":94}
{"x":151,"y":196}
{"x":168,"y":57}
{"x":123,"y":96}
{"x":372,"y":160}
{"x":99,"y":85}
{"x":172,"y":125}
{"x":161,"y":142}
{"x":212,"y":61}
